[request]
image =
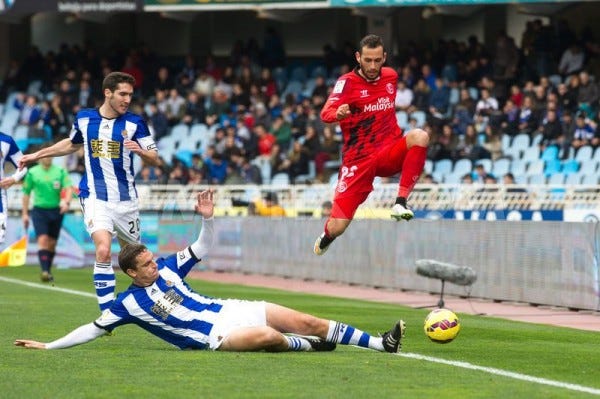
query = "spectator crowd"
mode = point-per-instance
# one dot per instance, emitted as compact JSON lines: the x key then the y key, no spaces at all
{"x":263,"y":108}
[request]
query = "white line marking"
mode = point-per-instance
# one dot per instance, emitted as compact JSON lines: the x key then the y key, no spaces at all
{"x":464,"y":365}
{"x":47,"y":287}
{"x":504,"y":373}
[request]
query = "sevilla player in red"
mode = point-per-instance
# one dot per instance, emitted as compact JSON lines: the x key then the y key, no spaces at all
{"x":362,"y":101}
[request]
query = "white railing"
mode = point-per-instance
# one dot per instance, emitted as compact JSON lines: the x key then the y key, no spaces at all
{"x":306,"y":200}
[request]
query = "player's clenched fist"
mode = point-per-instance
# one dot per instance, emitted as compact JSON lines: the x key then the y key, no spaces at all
{"x":343,"y":111}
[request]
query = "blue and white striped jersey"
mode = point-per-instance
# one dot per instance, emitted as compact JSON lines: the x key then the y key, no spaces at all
{"x":8,"y":152}
{"x":169,"y":308}
{"x":109,"y":174}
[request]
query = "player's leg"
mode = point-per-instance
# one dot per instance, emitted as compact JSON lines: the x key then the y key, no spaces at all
{"x":54,"y":234}
{"x":288,"y":320}
{"x":3,"y":218}
{"x":40,"y":221}
{"x":104,"y":274}
{"x":98,"y":223}
{"x":407,"y":156}
{"x":246,"y":339}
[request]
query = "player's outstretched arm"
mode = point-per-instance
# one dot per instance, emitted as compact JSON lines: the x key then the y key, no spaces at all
{"x":81,"y":335}
{"x":63,"y":147}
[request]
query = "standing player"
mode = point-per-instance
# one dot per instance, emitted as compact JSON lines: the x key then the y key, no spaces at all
{"x":110,"y":136}
{"x":48,"y":182}
{"x":162,"y":303}
{"x":362,"y":102}
{"x":8,"y":152}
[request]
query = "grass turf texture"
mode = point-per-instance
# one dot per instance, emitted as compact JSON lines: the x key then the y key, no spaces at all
{"x":135,"y":364}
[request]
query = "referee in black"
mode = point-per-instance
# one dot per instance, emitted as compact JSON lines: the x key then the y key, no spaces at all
{"x":52,"y":192}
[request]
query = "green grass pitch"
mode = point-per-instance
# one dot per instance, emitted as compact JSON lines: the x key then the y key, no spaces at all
{"x":135,"y":364}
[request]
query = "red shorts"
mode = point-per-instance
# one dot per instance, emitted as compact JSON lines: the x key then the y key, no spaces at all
{"x":355,"y":180}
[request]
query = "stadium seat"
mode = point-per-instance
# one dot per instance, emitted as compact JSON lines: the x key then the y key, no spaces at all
{"x":573,"y":179}
{"x":570,"y":166}
{"x":518,"y":167}
{"x":537,"y":139}
{"x":531,"y":154}
{"x":281,"y":180}
{"x":264,"y":164}
{"x":420,"y":117}
{"x":443,"y":167}
{"x":535,"y":167}
{"x":319,"y":70}
{"x":550,"y":153}
{"x":555,"y":79}
{"x":180,"y":132}
{"x":428,"y":168}
{"x":293,"y":87}
{"x":463,"y":166}
{"x":298,"y":73}
{"x":552,"y":166}
{"x":557,"y":178}
{"x":452,"y":178}
{"x":521,"y":141}
{"x":537,"y":178}
{"x":474,"y":93}
{"x":588,"y":167}
{"x":591,"y":179}
{"x":402,"y":118}
{"x":500,"y":167}
{"x":585,"y":152}
{"x":506,"y":139}
{"x":596,"y":156}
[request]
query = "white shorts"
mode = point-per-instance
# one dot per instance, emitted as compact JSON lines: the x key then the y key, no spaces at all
{"x":121,"y":219}
{"x":237,"y":314}
{"x":3,"y":220}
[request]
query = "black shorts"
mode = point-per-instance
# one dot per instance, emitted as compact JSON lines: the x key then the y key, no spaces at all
{"x":47,"y":221}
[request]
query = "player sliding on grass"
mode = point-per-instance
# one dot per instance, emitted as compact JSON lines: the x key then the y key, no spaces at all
{"x":362,"y":101}
{"x":161,"y":302}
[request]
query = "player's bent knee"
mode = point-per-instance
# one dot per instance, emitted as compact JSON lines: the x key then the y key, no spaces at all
{"x":417,"y":137}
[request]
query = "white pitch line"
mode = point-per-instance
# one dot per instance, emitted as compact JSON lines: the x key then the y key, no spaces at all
{"x":504,"y":373}
{"x":47,"y":287}
{"x":464,"y":365}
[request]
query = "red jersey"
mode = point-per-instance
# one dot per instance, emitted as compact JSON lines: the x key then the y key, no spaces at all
{"x":372,"y":124}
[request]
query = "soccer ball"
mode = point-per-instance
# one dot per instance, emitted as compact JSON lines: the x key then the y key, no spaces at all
{"x":441,"y":326}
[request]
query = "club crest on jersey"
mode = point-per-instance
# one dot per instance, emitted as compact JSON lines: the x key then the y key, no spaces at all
{"x":389,"y":88}
{"x":364,"y":93}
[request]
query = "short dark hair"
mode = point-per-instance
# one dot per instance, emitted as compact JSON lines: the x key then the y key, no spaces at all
{"x":128,"y":255}
{"x":370,"y":41}
{"x":113,"y":79}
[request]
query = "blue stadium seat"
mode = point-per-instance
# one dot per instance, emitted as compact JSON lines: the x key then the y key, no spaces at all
{"x":552,"y":166}
{"x":570,"y":166}
{"x":550,"y":153}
